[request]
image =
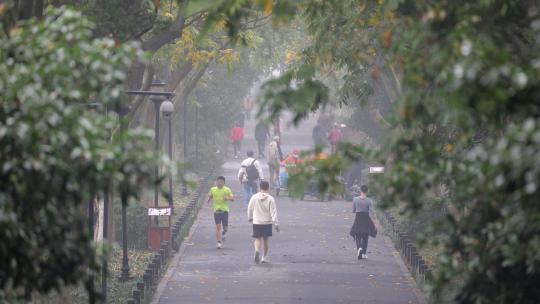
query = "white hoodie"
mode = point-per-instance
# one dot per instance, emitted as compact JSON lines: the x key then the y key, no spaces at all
{"x":262,"y":209}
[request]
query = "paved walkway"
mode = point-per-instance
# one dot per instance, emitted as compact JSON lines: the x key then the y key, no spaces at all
{"x":313,"y":259}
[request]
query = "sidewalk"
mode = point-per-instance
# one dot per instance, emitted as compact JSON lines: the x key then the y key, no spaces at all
{"x":313,"y":259}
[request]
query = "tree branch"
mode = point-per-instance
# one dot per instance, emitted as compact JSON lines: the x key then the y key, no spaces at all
{"x":138,"y":101}
{"x":172,"y":33}
{"x":190,"y":86}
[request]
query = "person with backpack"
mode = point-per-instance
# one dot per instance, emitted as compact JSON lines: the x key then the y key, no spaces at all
{"x":249,"y":175}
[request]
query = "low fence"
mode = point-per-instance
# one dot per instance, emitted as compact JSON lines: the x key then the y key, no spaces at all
{"x":404,"y":243}
{"x":144,"y":289}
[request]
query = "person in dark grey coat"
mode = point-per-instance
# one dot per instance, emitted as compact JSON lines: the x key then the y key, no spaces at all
{"x":364,"y":222}
{"x":262,"y":133}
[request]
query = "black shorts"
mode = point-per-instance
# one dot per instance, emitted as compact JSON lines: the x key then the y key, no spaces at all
{"x":262,"y":231}
{"x":221,"y":217}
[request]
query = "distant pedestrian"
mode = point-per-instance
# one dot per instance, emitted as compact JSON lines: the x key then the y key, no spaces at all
{"x":237,"y":135}
{"x":354,"y":173}
{"x":335,"y":137}
{"x":220,"y":195}
{"x":324,"y":121}
{"x":240,"y":119}
{"x":262,"y":133}
{"x":319,"y":136}
{"x":364,"y":222}
{"x":292,"y":159}
{"x":248,"y":106}
{"x":277,"y":126}
{"x":262,"y":213}
{"x":249,"y":174}
{"x":274,"y":159}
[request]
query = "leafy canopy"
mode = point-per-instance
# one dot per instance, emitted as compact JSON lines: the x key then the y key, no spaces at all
{"x":466,"y":123}
{"x":56,"y":154}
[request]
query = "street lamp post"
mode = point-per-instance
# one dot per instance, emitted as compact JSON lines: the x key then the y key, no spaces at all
{"x":122,"y":112}
{"x":157,"y":86}
{"x":184,"y":186}
{"x":156,"y":96}
{"x":196,"y":139}
{"x":166,"y":109}
{"x":157,"y":103}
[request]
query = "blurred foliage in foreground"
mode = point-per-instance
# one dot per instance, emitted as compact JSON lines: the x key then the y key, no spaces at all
{"x":465,"y":129}
{"x":55,"y":153}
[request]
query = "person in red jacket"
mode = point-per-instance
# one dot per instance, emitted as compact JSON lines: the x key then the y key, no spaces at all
{"x":237,"y":135}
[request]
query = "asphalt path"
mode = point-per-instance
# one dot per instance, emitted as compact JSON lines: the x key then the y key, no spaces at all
{"x":313,"y":259}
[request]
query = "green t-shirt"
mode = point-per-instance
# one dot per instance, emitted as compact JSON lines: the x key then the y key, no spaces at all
{"x":218,"y":197}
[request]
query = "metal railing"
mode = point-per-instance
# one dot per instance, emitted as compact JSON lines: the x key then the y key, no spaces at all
{"x":144,"y":289}
{"x":405,"y":244}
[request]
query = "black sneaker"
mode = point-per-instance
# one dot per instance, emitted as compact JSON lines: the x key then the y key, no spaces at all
{"x":257,"y":257}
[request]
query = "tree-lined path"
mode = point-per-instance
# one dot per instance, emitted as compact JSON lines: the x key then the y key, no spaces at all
{"x":312,"y":258}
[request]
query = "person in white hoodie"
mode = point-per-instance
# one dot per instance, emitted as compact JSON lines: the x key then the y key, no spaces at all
{"x":262,"y":213}
{"x":249,"y":175}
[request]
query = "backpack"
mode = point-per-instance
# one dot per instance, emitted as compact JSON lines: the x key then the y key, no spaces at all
{"x":251,"y":171}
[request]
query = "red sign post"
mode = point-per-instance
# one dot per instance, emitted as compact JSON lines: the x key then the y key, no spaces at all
{"x":158,"y":234}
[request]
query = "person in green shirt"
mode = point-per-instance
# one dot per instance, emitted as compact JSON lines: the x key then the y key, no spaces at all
{"x":220,"y":195}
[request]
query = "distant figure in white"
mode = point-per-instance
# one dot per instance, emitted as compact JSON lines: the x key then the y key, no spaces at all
{"x":262,"y":212}
{"x":274,"y":158}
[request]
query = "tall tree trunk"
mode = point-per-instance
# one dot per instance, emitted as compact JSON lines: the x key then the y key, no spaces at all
{"x":38,"y":8}
{"x":25,"y":8}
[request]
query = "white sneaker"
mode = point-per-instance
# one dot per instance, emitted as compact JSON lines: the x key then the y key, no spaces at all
{"x":265,"y":260}
{"x":364,"y":256}
{"x":219,"y":245}
{"x":257,"y":257}
{"x":359,"y":253}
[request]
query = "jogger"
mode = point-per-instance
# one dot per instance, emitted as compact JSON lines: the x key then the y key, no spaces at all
{"x":220,"y":195}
